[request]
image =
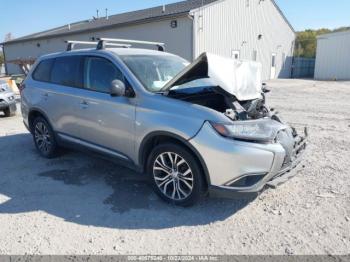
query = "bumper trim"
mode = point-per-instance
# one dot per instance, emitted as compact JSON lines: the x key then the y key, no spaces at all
{"x":285,"y":175}
{"x":232,"y":193}
{"x":222,"y":192}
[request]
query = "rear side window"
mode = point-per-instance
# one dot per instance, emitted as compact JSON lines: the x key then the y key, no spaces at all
{"x":99,"y":74}
{"x":43,"y":70}
{"x":67,"y":71}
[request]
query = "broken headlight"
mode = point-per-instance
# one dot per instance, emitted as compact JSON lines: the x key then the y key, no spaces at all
{"x":262,"y":130}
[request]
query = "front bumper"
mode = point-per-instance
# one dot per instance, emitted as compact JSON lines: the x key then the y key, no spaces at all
{"x":281,"y":177}
{"x":5,"y":105}
{"x":230,"y":162}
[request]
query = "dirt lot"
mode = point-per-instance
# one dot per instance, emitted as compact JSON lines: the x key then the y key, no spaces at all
{"x":76,"y":204}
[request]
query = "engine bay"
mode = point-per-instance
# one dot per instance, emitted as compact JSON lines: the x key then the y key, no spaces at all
{"x":217,"y":99}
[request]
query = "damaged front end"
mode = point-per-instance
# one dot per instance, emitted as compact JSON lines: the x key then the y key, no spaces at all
{"x":228,"y":86}
{"x":234,"y":88}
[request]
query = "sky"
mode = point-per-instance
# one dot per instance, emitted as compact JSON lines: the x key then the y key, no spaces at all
{"x":25,"y":17}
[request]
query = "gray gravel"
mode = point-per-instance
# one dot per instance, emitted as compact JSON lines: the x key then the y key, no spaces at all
{"x":77,"y":204}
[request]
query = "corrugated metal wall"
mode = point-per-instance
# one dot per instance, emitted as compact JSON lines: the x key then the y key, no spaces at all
{"x":178,"y":40}
{"x":333,"y":57}
{"x":228,"y":26}
{"x":225,"y":28}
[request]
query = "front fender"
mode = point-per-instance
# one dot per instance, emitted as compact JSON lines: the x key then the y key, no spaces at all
{"x":157,"y":114}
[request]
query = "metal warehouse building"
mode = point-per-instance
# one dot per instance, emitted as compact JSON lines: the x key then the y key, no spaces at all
{"x":333,"y":56}
{"x":244,"y":29}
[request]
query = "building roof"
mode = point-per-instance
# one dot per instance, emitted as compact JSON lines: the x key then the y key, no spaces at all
{"x":170,"y":10}
{"x":174,"y":9}
{"x":324,"y":36}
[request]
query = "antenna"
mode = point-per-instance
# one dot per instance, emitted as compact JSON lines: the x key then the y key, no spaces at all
{"x":107,"y":13}
{"x":97,"y":11}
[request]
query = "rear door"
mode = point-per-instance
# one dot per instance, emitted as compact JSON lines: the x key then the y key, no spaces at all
{"x":57,"y":81}
{"x":105,"y":121}
{"x":66,"y":81}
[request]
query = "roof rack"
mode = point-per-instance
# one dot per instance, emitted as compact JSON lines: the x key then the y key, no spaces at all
{"x":108,"y":41}
{"x":71,"y":44}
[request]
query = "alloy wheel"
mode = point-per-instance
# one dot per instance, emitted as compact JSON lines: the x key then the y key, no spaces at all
{"x":173,"y":176}
{"x":42,"y":137}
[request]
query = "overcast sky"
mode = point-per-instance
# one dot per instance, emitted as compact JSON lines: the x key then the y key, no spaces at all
{"x":24,"y":17}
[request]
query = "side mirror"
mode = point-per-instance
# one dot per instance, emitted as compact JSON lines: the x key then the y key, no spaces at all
{"x":117,"y":88}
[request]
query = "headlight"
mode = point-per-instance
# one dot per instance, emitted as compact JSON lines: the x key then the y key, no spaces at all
{"x":263,"y":130}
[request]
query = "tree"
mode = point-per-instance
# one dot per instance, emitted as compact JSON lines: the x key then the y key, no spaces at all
{"x":8,"y":37}
{"x":306,"y":41}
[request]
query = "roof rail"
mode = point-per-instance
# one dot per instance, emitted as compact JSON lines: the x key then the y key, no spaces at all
{"x":107,"y":41}
{"x":71,"y":44}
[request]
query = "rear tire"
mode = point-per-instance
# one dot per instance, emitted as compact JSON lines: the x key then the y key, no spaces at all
{"x":175,"y":175}
{"x":44,"y":138}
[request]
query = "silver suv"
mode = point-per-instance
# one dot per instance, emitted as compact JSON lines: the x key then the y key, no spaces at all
{"x":192,"y":128}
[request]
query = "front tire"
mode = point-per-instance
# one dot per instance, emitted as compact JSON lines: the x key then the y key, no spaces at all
{"x":175,"y":175}
{"x":8,"y":112}
{"x":44,"y":138}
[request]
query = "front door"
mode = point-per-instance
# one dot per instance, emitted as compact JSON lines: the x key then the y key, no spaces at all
{"x":106,"y":122}
{"x":273,"y":66}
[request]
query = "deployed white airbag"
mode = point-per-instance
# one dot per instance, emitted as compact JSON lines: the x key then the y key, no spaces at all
{"x":239,"y":78}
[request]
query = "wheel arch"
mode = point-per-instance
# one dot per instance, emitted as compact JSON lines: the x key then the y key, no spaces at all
{"x":33,"y":113}
{"x":159,"y":137}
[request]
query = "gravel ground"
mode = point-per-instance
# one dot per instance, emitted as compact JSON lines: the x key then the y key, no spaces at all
{"x":77,"y":204}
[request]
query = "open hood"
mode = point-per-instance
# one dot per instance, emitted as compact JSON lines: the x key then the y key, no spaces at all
{"x":241,"y":79}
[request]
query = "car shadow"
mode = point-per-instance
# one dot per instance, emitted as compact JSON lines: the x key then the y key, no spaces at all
{"x":91,"y":191}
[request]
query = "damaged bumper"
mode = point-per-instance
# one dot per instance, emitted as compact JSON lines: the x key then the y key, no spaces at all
{"x":291,"y":169}
{"x":242,"y":169}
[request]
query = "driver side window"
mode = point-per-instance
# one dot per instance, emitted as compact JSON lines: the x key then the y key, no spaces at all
{"x":99,"y":74}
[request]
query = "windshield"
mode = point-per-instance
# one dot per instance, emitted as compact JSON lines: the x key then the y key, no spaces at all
{"x":154,"y":71}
